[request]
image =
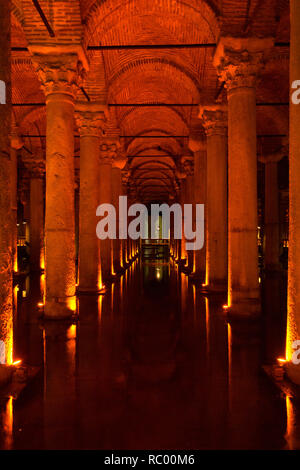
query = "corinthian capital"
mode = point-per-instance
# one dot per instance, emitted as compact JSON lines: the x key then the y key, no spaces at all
{"x":214,"y":119}
{"x":90,"y":119}
{"x":108,"y":151}
{"x":35,"y":168}
{"x":239,"y":60}
{"x":59,"y":73}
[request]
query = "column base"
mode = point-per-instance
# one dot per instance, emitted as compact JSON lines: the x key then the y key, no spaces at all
{"x":197,"y":277}
{"x":249,"y":308}
{"x":293,"y":372}
{"x":81,"y":290}
{"x":186,"y":270}
{"x":219,"y":288}
{"x":60,"y":310}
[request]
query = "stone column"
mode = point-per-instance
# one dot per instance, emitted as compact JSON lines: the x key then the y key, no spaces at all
{"x":36,"y":223}
{"x":90,"y":121}
{"x":293,"y":308}
{"x":271,"y":226}
{"x":198,"y":146}
{"x":125,"y":256}
{"x":16,"y":144}
{"x":117,"y":191}
{"x":108,"y":153}
{"x":238,"y":62}
{"x":189,"y":199}
{"x":181,"y":251}
{"x":59,"y":75}
{"x":214,"y":120}
{"x":6,"y":268}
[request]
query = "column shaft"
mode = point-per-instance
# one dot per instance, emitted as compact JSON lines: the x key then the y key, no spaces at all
{"x":216,"y":202}
{"x":89,"y":255}
{"x":293,"y":319}
{"x":105,"y":197}
{"x":116,"y":193}
{"x":200,"y":163}
{"x":36,"y":223}
{"x":271,"y":216}
{"x":6,"y":312}
{"x":60,"y":219}
{"x":243,"y":287}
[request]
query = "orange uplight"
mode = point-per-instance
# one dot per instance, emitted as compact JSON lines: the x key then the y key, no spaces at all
{"x":40,"y":304}
{"x":281,"y":360}
{"x":16,"y":363}
{"x":225,"y":307}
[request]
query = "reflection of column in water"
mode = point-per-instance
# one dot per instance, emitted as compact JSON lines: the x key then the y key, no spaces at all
{"x":184,"y":288}
{"x":60,"y":408}
{"x":87,"y":374}
{"x":6,"y":426}
{"x":243,"y":384}
{"x":217,"y":377}
{"x":292,"y":424}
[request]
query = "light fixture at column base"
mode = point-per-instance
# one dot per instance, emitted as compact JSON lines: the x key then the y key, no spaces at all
{"x":212,"y":289}
{"x":55,"y":310}
{"x":89,"y":291}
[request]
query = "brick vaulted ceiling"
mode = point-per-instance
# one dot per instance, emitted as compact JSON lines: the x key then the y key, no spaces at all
{"x":134,"y":76}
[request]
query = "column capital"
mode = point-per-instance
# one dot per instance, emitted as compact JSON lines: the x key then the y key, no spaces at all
{"x":15,"y":140}
{"x":214,"y":119}
{"x":36,"y":168}
{"x":239,"y":60}
{"x":274,"y":157}
{"x":108,"y":151}
{"x":90,"y":118}
{"x":188,"y":165}
{"x":197,"y":143}
{"x":121,"y":161}
{"x":125,"y":176}
{"x":59,"y":73}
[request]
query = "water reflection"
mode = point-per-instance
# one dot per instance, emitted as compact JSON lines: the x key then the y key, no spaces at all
{"x":150,"y":364}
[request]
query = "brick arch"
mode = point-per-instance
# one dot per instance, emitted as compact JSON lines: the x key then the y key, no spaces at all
{"x":104,"y":14}
{"x":165,"y":67}
{"x":165,"y":120}
{"x":17,"y":11}
{"x":64,"y":16}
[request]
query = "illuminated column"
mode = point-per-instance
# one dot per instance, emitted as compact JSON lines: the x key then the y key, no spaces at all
{"x":16,"y":144}
{"x":198,"y":146}
{"x":181,"y":251}
{"x":59,"y":75}
{"x":36,"y":223}
{"x":215,"y":123}
{"x":238,"y":62}
{"x":6,"y":268}
{"x":189,"y":199}
{"x":108,"y":153}
{"x":125,"y":259}
{"x":117,"y":191}
{"x":90,"y":120}
{"x":293,"y":319}
{"x":271,"y":227}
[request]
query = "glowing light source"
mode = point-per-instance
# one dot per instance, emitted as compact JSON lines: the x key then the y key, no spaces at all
{"x":16,"y":363}
{"x":40,"y":304}
{"x":281,"y":360}
{"x":225,"y":307}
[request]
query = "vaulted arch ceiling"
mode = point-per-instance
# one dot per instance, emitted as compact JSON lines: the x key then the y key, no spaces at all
{"x":173,"y":76}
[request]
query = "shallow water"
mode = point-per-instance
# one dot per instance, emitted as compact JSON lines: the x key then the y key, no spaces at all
{"x":152,"y":364}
